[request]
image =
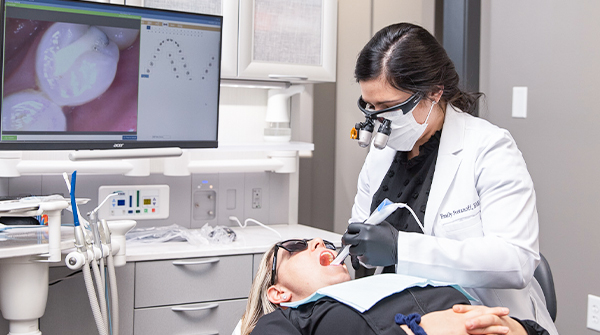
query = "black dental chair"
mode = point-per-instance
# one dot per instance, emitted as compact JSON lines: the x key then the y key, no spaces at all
{"x":544,"y":277}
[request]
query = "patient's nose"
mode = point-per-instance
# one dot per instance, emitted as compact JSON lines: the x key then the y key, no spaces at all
{"x":315,"y":243}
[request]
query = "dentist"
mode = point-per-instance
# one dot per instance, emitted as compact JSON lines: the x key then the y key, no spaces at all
{"x":464,"y":178}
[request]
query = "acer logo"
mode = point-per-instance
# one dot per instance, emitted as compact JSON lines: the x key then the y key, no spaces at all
{"x":118,"y":145}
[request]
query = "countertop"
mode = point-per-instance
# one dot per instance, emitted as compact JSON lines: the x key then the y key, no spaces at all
{"x":249,"y":240}
{"x":29,"y":242}
{"x":252,"y":239}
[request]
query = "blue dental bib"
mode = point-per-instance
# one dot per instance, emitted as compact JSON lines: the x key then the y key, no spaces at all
{"x":361,"y":294}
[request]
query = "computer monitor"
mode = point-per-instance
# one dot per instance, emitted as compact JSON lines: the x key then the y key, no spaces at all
{"x":87,"y":75}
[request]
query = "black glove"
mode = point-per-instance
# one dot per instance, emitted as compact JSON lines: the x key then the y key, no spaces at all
{"x":353,"y":259}
{"x":377,"y":245}
{"x":355,"y":262}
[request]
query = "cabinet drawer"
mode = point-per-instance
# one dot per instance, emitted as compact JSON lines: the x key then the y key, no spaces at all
{"x":219,"y":317}
{"x":180,"y":281}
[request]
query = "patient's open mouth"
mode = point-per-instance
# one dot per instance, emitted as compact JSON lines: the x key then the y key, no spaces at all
{"x":326,"y":257}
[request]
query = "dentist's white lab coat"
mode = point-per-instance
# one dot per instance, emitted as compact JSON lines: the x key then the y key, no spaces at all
{"x":481,"y":222}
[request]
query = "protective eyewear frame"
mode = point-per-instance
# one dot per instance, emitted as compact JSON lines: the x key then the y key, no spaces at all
{"x":291,"y":246}
{"x":405,"y":106}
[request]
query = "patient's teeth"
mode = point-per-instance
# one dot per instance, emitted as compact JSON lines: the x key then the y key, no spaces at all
{"x":326,"y":259}
{"x":121,"y":36}
{"x":30,"y":110}
{"x":75,"y":63}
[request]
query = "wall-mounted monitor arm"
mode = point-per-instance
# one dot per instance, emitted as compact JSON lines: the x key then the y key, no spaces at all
{"x":81,"y":155}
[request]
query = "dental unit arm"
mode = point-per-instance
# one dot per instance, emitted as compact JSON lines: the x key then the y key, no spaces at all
{"x":23,"y":271}
{"x":385,"y":209}
{"x":91,"y":247}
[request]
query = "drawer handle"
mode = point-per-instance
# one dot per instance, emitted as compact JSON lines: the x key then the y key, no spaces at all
{"x":208,"y":261}
{"x":285,"y":76}
{"x":191,"y":309}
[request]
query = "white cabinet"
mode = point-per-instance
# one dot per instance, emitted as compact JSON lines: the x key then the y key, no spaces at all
{"x":206,"y":318}
{"x":291,"y":40}
{"x":203,"y":295}
{"x":191,"y":295}
{"x":192,"y":280}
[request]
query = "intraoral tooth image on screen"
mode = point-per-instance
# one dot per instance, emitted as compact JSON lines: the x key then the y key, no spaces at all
{"x":67,"y":76}
{"x":77,"y":72}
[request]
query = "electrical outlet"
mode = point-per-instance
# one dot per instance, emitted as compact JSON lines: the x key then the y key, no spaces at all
{"x":256,"y":198}
{"x":593,"y":314}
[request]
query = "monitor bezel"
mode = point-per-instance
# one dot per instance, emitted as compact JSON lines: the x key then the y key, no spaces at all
{"x":16,"y":145}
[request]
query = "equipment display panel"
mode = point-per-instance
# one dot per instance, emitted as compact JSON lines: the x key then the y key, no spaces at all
{"x":86,"y":75}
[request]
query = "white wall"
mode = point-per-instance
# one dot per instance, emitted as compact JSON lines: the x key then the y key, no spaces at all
{"x":242,"y":114}
{"x":357,"y":22}
{"x":552,"y":48}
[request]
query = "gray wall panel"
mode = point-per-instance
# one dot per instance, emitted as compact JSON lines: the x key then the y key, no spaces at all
{"x":550,"y":47}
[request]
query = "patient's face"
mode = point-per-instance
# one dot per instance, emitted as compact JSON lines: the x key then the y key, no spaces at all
{"x":302,"y":272}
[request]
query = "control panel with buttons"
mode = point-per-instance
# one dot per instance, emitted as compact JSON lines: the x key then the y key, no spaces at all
{"x":136,"y":202}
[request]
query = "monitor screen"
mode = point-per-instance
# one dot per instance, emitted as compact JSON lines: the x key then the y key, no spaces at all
{"x":87,"y":75}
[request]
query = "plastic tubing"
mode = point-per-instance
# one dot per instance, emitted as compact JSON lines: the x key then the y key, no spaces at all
{"x":102,"y":274}
{"x":114,"y":297}
{"x":89,"y":285}
{"x":234,"y":218}
{"x":100,"y":288}
{"x":73,"y":204}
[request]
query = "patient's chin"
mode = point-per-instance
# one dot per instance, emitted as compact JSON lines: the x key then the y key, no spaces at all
{"x":340,"y":275}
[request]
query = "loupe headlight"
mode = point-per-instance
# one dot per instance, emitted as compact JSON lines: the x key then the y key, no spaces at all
{"x":363,"y":131}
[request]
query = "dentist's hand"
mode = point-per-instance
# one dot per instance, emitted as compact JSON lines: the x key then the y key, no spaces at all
{"x":375,"y":245}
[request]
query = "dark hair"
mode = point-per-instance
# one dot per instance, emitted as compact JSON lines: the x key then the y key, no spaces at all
{"x":411,"y":59}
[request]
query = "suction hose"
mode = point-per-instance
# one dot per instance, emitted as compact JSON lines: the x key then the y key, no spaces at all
{"x":114,"y":297}
{"x":100,"y":287}
{"x":89,"y":285}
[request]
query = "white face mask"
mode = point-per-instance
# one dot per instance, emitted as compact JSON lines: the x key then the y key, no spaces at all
{"x":405,"y":129}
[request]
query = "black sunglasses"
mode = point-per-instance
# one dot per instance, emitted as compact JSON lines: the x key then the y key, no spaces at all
{"x":292,"y":246}
{"x":405,"y":106}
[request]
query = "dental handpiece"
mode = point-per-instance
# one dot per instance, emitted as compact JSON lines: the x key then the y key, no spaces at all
{"x":342,"y":255}
{"x":381,"y":213}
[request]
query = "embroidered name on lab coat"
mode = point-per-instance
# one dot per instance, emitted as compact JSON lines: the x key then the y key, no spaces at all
{"x":456,"y":212}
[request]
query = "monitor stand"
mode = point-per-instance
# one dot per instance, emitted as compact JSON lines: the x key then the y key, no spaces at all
{"x":81,"y":155}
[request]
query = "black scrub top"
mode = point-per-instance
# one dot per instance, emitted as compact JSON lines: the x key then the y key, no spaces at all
{"x":409,"y":181}
{"x":327,"y":316}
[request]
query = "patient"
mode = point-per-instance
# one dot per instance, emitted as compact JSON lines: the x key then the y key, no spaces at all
{"x":298,"y":273}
